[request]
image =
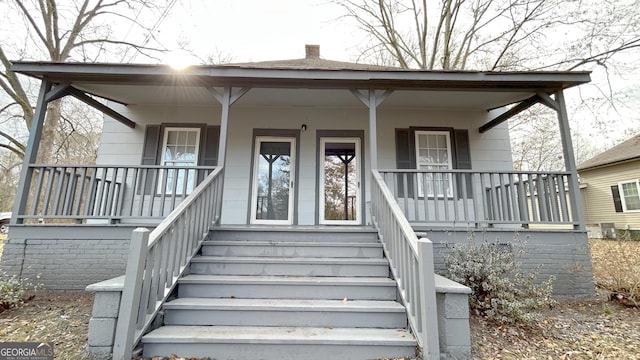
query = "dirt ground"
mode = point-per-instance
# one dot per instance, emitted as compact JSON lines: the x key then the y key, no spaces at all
{"x":59,"y":317}
{"x":575,"y":329}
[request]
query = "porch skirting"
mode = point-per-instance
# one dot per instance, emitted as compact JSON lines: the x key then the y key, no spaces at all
{"x":561,"y":253}
{"x":72,"y":257}
{"x":66,"y":257}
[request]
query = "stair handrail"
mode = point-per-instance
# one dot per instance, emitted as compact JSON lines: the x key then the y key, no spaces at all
{"x":411,"y":263}
{"x":157,"y":259}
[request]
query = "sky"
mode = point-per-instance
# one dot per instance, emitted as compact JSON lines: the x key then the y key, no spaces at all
{"x":250,"y":30}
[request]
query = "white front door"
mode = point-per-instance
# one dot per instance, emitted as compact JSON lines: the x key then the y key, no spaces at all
{"x":273,"y":175}
{"x":340,"y":180}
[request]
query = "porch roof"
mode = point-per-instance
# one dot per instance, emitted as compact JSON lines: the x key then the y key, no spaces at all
{"x":137,"y":84}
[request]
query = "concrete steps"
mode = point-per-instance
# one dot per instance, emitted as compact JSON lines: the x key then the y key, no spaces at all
{"x":285,"y":293}
{"x":239,"y":342}
{"x":285,"y":312}
{"x":293,"y":266}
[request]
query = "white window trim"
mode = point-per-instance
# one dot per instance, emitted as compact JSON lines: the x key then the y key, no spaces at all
{"x":622,"y":197}
{"x":416,"y":146}
{"x":165,"y":138}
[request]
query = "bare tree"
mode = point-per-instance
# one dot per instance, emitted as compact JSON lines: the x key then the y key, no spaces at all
{"x":497,"y":34}
{"x":76,"y":30}
{"x":510,"y":35}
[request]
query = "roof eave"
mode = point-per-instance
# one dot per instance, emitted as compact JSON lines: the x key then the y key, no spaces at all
{"x":243,"y":76}
{"x":608,"y":164}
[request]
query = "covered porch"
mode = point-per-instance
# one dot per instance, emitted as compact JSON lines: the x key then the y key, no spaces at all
{"x":308,"y":105}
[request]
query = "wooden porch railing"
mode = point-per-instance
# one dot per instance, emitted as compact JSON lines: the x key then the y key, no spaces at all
{"x":112,"y":193}
{"x":483,"y":198}
{"x":411,"y":262}
{"x":158,"y":259}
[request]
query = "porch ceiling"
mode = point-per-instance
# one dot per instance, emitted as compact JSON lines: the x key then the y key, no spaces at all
{"x":193,"y":95}
{"x":155,"y":84}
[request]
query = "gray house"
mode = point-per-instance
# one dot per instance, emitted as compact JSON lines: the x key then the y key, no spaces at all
{"x":292,"y":182}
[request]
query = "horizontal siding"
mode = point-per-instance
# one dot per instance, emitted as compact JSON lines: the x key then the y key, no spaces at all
{"x":123,"y":146}
{"x":597,"y":196}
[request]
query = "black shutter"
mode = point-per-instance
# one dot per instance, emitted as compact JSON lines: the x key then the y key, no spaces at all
{"x":209,"y":146}
{"x":462,"y":160}
{"x":405,"y":159}
{"x":617,"y":201}
{"x":151,"y":145}
{"x":209,"y":141}
{"x":150,"y":155}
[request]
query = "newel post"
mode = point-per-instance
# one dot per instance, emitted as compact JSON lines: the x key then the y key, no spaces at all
{"x":128,"y":314}
{"x":429,"y":309}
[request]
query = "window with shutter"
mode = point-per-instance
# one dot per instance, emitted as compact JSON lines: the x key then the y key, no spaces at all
{"x":179,"y":145}
{"x":434,"y":149}
{"x":630,"y":195}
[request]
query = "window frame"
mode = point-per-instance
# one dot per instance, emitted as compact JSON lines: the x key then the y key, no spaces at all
{"x":162,"y":151}
{"x":449,"y":164}
{"x":623,"y":198}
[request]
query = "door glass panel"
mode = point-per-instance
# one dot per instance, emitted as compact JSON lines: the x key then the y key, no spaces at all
{"x":340,"y":181}
{"x":273,"y":180}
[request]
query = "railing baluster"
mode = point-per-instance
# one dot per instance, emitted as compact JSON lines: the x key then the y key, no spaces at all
{"x":55,"y":210}
{"x":563,"y":199}
{"x":553,"y":196}
{"x":112,"y":191}
{"x":522,"y":200}
{"x":51,"y":179}
{"x":445,"y":195}
{"x":80,"y":196}
{"x":36,"y":195}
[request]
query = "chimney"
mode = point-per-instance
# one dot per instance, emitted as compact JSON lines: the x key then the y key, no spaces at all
{"x":312,"y":51}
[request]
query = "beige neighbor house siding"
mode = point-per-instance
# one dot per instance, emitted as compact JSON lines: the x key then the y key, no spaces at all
{"x":597,"y":197}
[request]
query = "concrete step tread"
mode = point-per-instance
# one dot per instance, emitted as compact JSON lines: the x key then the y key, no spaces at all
{"x":298,"y":229}
{"x":292,"y":243}
{"x":285,"y":280}
{"x":286,"y":305}
{"x":280,"y":335}
{"x":289,"y":260}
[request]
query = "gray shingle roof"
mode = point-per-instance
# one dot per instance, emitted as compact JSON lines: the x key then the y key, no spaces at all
{"x":310,"y":64}
{"x":627,"y":150}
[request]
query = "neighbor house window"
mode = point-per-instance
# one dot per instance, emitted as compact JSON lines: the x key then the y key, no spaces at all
{"x":630,"y":195}
{"x":180,"y":148}
{"x":433,"y":152}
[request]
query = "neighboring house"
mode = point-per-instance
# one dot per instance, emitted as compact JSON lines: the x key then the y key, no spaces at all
{"x":308,"y":150}
{"x":610,"y":183}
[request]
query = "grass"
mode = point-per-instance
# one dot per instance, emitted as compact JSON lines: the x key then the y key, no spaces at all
{"x":616,"y":268}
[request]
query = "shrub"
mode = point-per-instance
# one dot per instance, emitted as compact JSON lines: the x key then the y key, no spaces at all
{"x":616,"y":268}
{"x":501,"y":291}
{"x":15,"y":291}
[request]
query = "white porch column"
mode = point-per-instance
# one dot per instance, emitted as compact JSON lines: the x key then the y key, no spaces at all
{"x":569,"y":161}
{"x":373,"y":129}
{"x":35,"y":133}
{"x":224,"y":125}
{"x":226,"y":99}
